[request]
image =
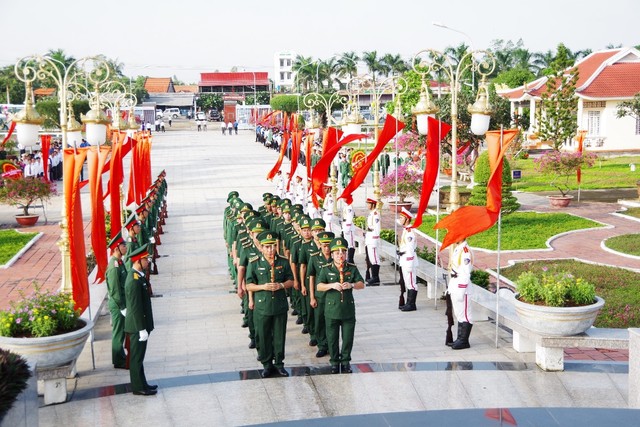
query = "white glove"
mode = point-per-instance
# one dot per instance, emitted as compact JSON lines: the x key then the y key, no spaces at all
{"x":124,"y":312}
{"x":154,"y":229}
{"x":144,"y":335}
{"x":152,"y":240}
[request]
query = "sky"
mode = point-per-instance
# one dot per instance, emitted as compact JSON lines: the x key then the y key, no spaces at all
{"x":167,"y":38}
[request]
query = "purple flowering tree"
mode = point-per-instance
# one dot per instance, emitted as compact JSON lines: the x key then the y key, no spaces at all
{"x":561,"y":167}
{"x":409,"y":183}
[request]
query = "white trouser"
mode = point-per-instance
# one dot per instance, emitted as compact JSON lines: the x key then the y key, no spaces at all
{"x":372,"y":253}
{"x":349,"y":236}
{"x":409,"y":274}
{"x":460,"y":302}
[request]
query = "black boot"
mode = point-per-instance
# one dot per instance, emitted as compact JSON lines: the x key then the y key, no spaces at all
{"x":375,"y":278}
{"x":459,"y":334}
{"x":401,"y":301}
{"x":350,"y":253}
{"x":411,"y":301}
{"x":463,"y":340}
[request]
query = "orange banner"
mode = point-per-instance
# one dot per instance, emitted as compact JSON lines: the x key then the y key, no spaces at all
{"x":96,"y":159}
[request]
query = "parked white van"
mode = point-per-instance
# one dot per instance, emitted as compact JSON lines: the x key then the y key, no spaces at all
{"x":174,"y":113}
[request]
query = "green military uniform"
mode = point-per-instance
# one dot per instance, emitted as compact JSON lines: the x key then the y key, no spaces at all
{"x":340,"y":309}
{"x":345,"y":173}
{"x":270,"y":307}
{"x":116,"y":276}
{"x":139,"y":317}
{"x":317,"y":262}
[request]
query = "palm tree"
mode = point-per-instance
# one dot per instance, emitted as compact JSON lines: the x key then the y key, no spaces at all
{"x":348,"y":64}
{"x":373,"y":63}
{"x":543,"y":60}
{"x":326,"y":71}
{"x":304,"y":72}
{"x":395,"y":64}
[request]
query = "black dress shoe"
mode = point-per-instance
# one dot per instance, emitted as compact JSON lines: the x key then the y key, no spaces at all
{"x":252,"y":344}
{"x":245,"y":324}
{"x":294,"y":312}
{"x":266,"y":372}
{"x":145,"y":392}
{"x":313,"y":343}
{"x":346,"y":369}
{"x":299,"y":321}
{"x":321,"y":353}
{"x":120,"y":366}
{"x":335,"y":369}
{"x":282,"y":372}
{"x":152,"y":386}
{"x":305,"y":330}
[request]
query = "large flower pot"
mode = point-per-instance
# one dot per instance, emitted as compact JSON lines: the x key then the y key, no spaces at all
{"x":50,"y":352}
{"x":27,"y":220}
{"x":559,"y":201}
{"x":558,"y":321}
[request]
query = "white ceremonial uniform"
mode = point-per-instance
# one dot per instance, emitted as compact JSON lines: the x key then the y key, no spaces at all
{"x":327,"y":215}
{"x":299,"y":197}
{"x":372,"y":236}
{"x":348,"y":229}
{"x":408,"y":260}
{"x":460,"y":265}
{"x":280,"y":187}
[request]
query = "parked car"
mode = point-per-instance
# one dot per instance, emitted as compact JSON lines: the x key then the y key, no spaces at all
{"x":173,"y":112}
{"x":159,"y":114}
{"x":214,"y":115}
{"x":200,"y":115}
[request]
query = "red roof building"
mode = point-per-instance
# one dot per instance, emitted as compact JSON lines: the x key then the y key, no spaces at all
{"x":234,"y":83}
{"x":605,"y":79}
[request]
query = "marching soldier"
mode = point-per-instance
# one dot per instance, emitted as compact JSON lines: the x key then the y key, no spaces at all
{"x":268,"y":278}
{"x":318,"y":262}
{"x":338,"y":280}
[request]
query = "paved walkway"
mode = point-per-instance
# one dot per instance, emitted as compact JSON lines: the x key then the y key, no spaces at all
{"x":198,"y":352}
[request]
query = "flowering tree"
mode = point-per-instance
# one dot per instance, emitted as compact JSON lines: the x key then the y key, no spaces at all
{"x":410,"y":141}
{"x":561,"y":166}
{"x":409,"y":182}
{"x":22,"y":192}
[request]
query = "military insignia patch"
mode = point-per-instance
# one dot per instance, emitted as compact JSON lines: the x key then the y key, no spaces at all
{"x":136,"y":276}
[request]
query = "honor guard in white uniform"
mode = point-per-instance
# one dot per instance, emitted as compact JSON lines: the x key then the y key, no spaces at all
{"x":372,"y":243}
{"x":460,"y":266}
{"x":408,"y":261}
{"x":328,"y":206}
{"x":348,"y":231}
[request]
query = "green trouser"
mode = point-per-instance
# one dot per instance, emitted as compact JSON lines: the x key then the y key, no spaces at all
{"x":233,"y":272}
{"x":248,"y":316}
{"x":118,"y":357}
{"x":334,"y":326}
{"x":308,"y":318}
{"x":271,"y":332}
{"x":295,"y":299}
{"x":136,"y":368}
{"x":320,"y":325}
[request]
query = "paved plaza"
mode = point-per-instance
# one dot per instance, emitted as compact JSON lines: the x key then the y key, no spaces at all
{"x":207,"y":376}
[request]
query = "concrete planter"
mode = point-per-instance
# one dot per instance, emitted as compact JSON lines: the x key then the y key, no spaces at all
{"x":50,"y":352}
{"x":558,"y":321}
{"x":559,"y":201}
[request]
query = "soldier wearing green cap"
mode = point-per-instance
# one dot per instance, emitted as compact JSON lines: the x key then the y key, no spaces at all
{"x":138,"y":322}
{"x":317,"y":262}
{"x":268,"y":278}
{"x":305,"y":236}
{"x":116,"y":276}
{"x":338,"y":280}
{"x":307,"y":250}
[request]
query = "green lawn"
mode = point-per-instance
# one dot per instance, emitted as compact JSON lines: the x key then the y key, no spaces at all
{"x":613,"y":172}
{"x":626,"y":243}
{"x":634,"y":212}
{"x":11,"y":242}
{"x":620,"y":288}
{"x":520,"y":230}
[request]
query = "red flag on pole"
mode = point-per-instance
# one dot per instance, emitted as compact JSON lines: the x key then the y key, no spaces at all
{"x":46,"y":144}
{"x":580,"y":139}
{"x":283,"y":149}
{"x":391,"y":127}
{"x":470,"y":220}
{"x":115,"y":179}
{"x":437,"y":130}
{"x":97,"y":157}
{"x":295,"y":154}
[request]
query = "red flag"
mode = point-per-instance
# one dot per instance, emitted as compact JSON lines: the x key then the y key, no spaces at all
{"x":295,"y":154}
{"x":470,"y":220}
{"x":46,"y":144}
{"x":391,"y":127}
{"x":116,"y":176}
{"x":283,"y":149}
{"x":307,"y":153}
{"x":73,"y":161}
{"x":502,"y":415}
{"x":11,"y":129}
{"x":436,"y":132}
{"x":580,"y":139}
{"x":321,"y":171}
{"x":97,"y":157}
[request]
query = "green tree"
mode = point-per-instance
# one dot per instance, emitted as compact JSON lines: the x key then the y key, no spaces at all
{"x":348,"y":65}
{"x":303,"y":67}
{"x":558,"y":107}
{"x":629,"y":108}
{"x":208,"y":101}
{"x":288,"y":103}
{"x":481,"y":178}
{"x":514,"y":77}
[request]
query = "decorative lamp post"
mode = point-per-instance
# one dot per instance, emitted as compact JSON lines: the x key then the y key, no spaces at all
{"x":439,"y":62}
{"x":28,"y":121}
{"x":71,"y":81}
{"x":74,"y":129}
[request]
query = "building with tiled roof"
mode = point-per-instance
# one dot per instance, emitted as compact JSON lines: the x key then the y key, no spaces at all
{"x":44,"y":91}
{"x":159,"y":85}
{"x":231,"y":83}
{"x":186,"y":88}
{"x":605,"y":79}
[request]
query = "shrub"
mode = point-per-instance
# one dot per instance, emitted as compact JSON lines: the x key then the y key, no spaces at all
{"x":480,"y":278}
{"x":409,"y":183}
{"x":555,"y":290}
{"x":14,"y":373}
{"x":561,"y":166}
{"x":388,"y":235}
{"x":41,"y":315}
{"x":426,"y":253}
{"x":481,"y":177}
{"x":22,"y":192}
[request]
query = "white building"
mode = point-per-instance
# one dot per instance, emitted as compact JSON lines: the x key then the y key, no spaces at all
{"x":606,"y":78}
{"x":282,"y":71}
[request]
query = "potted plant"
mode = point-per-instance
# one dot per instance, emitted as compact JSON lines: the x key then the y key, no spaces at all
{"x":561,"y":167}
{"x":445,"y":165}
{"x":557,"y":304}
{"x":45,"y":328}
{"x":23,"y":192}
{"x":409,"y":184}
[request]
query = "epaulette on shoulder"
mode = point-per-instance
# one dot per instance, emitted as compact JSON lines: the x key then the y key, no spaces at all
{"x":136,"y":276}
{"x":254,"y":258}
